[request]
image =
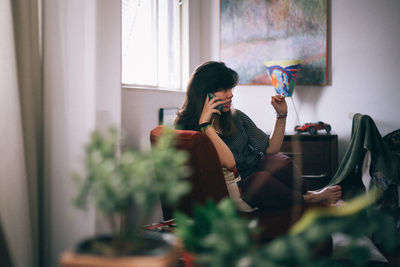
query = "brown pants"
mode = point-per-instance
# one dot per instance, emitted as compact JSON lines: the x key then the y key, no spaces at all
{"x":277,"y":184}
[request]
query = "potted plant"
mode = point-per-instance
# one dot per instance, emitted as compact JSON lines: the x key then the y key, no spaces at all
{"x":118,"y":179}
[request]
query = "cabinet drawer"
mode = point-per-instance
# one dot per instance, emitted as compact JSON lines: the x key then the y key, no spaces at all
{"x":315,"y":155}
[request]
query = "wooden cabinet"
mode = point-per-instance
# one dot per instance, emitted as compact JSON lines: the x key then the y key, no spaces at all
{"x":315,"y":155}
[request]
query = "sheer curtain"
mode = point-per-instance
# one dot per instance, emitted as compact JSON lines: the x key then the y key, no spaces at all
{"x":81,"y":77}
{"x":20,"y":122}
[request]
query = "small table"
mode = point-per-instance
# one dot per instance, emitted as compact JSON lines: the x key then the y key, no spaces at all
{"x":316,"y":155}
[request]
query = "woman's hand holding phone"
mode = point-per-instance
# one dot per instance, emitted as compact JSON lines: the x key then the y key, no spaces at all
{"x":210,"y":107}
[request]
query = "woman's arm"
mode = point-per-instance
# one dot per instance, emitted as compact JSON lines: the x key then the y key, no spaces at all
{"x":225,"y":155}
{"x":276,"y":139}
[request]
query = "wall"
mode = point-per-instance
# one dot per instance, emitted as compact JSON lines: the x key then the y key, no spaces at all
{"x":364,"y":43}
{"x":140,"y":113}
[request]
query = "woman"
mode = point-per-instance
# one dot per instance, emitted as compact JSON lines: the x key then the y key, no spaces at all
{"x":269,"y":180}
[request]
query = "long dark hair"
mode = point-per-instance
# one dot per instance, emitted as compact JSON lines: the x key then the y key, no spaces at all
{"x":210,"y":77}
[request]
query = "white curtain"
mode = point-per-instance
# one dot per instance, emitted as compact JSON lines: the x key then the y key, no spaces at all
{"x":69,"y":65}
{"x":18,"y":202}
{"x":81,"y":48}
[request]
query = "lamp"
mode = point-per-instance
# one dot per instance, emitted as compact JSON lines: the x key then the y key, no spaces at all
{"x":283,"y":74}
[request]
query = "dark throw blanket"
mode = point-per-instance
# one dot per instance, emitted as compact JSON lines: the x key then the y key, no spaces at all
{"x":366,"y":137}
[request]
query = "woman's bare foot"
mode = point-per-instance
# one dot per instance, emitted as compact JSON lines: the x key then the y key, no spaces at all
{"x":329,"y":194}
{"x":339,"y":203}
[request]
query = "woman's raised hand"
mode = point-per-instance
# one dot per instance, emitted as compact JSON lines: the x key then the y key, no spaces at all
{"x":279,"y":104}
{"x":209,"y":108}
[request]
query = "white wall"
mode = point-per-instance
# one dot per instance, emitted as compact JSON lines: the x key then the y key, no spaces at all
{"x":365,"y":63}
{"x":140,"y":113}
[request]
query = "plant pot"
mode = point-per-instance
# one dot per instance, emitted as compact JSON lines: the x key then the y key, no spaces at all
{"x":159,"y":253}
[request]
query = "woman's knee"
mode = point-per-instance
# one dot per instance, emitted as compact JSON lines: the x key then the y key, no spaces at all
{"x":263,"y":190}
{"x":274,"y":163}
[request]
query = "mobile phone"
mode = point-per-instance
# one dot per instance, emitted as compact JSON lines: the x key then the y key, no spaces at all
{"x":211,"y":96}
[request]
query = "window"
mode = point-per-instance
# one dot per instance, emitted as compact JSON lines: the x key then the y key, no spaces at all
{"x":151,"y":50}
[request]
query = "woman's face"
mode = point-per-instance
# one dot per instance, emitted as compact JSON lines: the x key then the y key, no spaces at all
{"x":226,"y":96}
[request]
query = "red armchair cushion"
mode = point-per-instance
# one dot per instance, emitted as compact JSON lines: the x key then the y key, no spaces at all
{"x":206,"y":177}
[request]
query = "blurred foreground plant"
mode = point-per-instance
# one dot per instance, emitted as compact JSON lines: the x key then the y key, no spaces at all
{"x":118,"y":180}
{"x":357,"y":219}
{"x":218,"y":236}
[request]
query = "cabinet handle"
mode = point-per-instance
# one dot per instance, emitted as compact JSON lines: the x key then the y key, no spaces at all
{"x":315,"y":176}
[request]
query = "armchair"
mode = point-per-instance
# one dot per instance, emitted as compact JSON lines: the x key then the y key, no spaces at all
{"x":206,"y":179}
{"x":208,"y":182}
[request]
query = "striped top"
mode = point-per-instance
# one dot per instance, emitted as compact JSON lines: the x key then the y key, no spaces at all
{"x":248,"y":144}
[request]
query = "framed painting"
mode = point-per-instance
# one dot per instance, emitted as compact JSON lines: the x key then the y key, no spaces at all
{"x":255,"y":31}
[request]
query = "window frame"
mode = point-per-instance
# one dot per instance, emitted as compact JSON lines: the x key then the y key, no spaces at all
{"x":182,"y":61}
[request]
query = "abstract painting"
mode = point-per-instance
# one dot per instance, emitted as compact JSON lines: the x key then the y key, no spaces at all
{"x":255,"y":31}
